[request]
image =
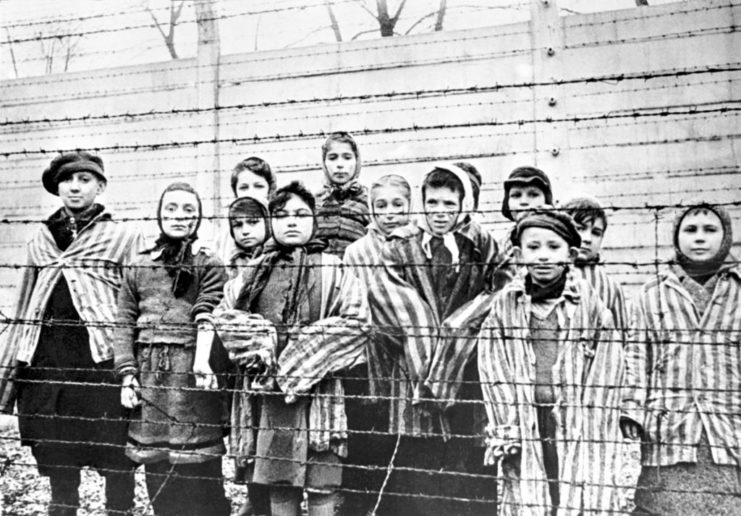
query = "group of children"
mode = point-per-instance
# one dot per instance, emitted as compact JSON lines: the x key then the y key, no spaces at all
{"x":373,"y":356}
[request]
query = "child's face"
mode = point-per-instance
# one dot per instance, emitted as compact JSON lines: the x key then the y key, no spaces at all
{"x":293,"y":224}
{"x":79,"y":190}
{"x":179,"y":214}
{"x":592,"y":232}
{"x":523,"y":198}
{"x":249,"y":232}
{"x":340,"y":162}
{"x":700,"y":235}
{"x":249,"y":183}
{"x":390,"y":208}
{"x":545,"y":254}
{"x":442,"y":207}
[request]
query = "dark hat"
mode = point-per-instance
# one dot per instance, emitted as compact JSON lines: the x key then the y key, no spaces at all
{"x":66,"y":164}
{"x":548,"y":218}
{"x":527,"y":176}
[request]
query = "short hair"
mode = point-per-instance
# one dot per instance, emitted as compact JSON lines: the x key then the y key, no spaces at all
{"x":341,"y":137}
{"x":257,"y":166}
{"x":283,"y":195}
{"x":392,"y":180}
{"x":441,"y":178}
{"x":476,"y":180}
{"x":585,"y":209}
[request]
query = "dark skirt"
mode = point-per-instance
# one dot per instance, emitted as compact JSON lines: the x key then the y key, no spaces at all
{"x":176,"y":422}
{"x":702,"y":488}
{"x":69,"y":407}
{"x":283,"y":454}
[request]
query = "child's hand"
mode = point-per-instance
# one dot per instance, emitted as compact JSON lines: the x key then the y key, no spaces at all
{"x":205,"y":377}
{"x":630,"y":429}
{"x":130,"y":392}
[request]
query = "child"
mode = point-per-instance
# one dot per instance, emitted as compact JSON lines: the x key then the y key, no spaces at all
{"x":162,"y":345}
{"x":249,"y":227}
{"x":68,"y":408}
{"x":251,"y":177}
{"x":429,"y":272}
{"x":683,"y":368}
{"x":368,"y":417}
{"x":343,"y":214}
{"x":551,"y":369}
{"x":591,"y":223}
{"x":297,"y":318}
{"x":249,"y":224}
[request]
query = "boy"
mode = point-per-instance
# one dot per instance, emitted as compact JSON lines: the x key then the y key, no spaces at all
{"x":68,"y":407}
{"x":591,"y":223}
{"x":429,"y":272}
{"x":683,"y":367}
{"x":298,"y":317}
{"x":251,"y":177}
{"x":551,"y":368}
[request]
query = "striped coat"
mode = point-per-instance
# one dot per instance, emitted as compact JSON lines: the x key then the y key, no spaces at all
{"x":405,"y":312}
{"x":684,"y":370}
{"x":589,"y":371}
{"x":609,"y":291}
{"x":92,"y":266}
{"x":320,"y":348}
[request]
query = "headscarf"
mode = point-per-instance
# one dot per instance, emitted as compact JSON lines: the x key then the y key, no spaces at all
{"x":251,"y":208}
{"x":700,"y":270}
{"x":177,"y":254}
{"x":352,"y":188}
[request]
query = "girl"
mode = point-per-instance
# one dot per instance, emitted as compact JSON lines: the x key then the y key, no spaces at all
{"x":551,"y":368}
{"x":390,"y":204}
{"x":250,"y":228}
{"x":343,"y":214}
{"x":162,"y":344}
{"x":296,"y":318}
{"x":683,"y":367}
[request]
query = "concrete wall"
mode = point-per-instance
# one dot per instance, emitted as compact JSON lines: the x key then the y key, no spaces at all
{"x":497,"y":97}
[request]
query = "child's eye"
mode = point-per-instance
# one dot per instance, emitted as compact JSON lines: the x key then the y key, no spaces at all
{"x":711,"y":229}
{"x":398,"y":203}
{"x":280,"y":214}
{"x":515,"y":195}
{"x":554,"y":247}
{"x":597,"y":233}
{"x":252,"y":222}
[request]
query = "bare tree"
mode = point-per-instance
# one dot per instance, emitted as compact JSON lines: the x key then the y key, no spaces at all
{"x":641,"y":2}
{"x":176,"y":9}
{"x":61,"y":47}
{"x":333,"y":20}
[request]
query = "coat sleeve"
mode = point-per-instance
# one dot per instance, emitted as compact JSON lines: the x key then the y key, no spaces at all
{"x":498,"y":385}
{"x":124,"y":332}
{"x":333,"y":343}
{"x":400,"y":314}
{"x":637,"y":352}
{"x":212,"y":278}
{"x":10,"y":338}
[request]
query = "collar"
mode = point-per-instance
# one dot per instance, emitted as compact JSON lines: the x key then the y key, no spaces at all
{"x":196,"y":247}
{"x":571,"y":291}
{"x":449,"y":243}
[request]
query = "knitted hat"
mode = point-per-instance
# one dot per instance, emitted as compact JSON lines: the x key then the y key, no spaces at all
{"x":548,"y":218}
{"x":526,"y":176}
{"x":250,"y":208}
{"x":693,"y":267}
{"x":65,"y":165}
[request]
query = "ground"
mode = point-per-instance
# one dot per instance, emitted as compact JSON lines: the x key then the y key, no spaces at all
{"x":25,"y":493}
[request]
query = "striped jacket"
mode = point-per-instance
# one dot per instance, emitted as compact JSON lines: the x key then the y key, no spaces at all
{"x":590,"y":373}
{"x":92,"y":266}
{"x":404,"y":309}
{"x":684,"y":370}
{"x":320,"y":348}
{"x":609,"y":291}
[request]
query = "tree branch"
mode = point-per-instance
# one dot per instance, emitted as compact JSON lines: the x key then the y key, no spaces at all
{"x":440,"y":15}
{"x":333,"y":21}
{"x":398,"y":11}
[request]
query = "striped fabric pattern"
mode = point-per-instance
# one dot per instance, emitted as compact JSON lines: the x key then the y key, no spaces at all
{"x":684,"y":370}
{"x":609,"y":291}
{"x":92,"y":266}
{"x":335,"y":342}
{"x":405,"y":313}
{"x":590,"y":373}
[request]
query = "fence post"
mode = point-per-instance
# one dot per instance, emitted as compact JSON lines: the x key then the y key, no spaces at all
{"x":550,"y":145}
{"x":208,"y":165}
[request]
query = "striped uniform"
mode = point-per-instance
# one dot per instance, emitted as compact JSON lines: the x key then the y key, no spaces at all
{"x":333,"y":343}
{"x":684,"y":370}
{"x":588,"y":376}
{"x":609,"y":291}
{"x":404,"y":308}
{"x":92,"y":266}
